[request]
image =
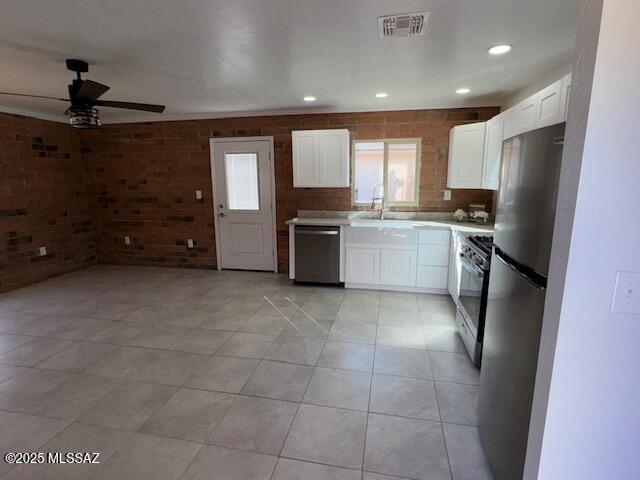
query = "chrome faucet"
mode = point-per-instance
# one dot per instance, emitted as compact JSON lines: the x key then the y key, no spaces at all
{"x":374,"y":198}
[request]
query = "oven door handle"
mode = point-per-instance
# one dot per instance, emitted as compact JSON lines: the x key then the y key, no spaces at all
{"x":472,"y":266}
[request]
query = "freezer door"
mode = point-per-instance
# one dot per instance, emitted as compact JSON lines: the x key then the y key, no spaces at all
{"x":527,"y":199}
{"x":509,"y":361}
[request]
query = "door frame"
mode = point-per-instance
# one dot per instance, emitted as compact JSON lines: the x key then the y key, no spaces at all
{"x":216,"y":226}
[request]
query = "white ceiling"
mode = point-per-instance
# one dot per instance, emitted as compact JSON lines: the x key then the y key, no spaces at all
{"x":208,"y":58}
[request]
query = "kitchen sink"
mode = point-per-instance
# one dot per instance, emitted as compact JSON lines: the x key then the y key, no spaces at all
{"x":373,"y":223}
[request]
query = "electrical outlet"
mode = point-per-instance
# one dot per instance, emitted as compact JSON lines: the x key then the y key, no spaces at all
{"x":42,"y":251}
{"x":127,"y":240}
{"x":198,"y":194}
{"x":447,"y":194}
{"x":626,"y":293}
{"x":190,"y":243}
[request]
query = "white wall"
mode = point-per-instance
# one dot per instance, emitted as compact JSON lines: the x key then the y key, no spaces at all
{"x":544,"y":80}
{"x":590,"y":425}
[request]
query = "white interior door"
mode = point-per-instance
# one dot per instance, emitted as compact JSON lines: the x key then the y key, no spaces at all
{"x":243,"y":186}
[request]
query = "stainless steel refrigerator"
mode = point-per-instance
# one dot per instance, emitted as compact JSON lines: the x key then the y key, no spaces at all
{"x":517,"y":284}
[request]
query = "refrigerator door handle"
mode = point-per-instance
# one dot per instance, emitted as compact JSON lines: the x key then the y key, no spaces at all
{"x":534,"y":278}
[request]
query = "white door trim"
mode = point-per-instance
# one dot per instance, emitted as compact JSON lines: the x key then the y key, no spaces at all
{"x":212,"y":142}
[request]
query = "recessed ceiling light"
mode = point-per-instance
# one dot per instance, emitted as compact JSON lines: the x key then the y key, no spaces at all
{"x":382,"y":95}
{"x":462,"y":91}
{"x":500,"y":49}
{"x":309,"y":98}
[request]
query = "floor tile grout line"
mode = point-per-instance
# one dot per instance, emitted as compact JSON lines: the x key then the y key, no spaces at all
{"x":366,"y":426}
{"x":298,"y":407}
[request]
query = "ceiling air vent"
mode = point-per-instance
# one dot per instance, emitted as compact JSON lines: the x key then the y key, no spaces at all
{"x":405,"y":25}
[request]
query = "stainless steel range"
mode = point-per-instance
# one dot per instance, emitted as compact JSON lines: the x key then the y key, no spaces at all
{"x":475,"y":256}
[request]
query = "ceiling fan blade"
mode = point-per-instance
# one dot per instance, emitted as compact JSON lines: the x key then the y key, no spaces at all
{"x":145,"y":107}
{"x":33,"y":96}
{"x":90,"y":90}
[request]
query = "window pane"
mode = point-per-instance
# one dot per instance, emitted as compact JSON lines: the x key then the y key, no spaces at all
{"x":369,"y":167}
{"x":241,"y":170}
{"x":401,"y":175}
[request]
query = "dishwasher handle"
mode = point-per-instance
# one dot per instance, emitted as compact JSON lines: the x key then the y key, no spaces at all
{"x":316,"y":232}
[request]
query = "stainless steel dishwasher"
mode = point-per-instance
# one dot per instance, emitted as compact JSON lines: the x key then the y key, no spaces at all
{"x":317,"y":254}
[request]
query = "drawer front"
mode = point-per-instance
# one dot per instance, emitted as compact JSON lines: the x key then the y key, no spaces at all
{"x":435,"y":236}
{"x":433,"y":255}
{"x":432,"y":277}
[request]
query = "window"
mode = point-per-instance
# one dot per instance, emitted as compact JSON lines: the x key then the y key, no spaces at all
{"x":388,"y":169}
{"x":241,"y":170}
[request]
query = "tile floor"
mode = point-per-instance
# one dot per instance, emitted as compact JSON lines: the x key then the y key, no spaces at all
{"x":191,"y":374}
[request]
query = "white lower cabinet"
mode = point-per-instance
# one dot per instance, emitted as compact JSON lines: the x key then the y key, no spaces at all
{"x":398,"y":268}
{"x":434,"y":255}
{"x":454,"y":259}
{"x":432,"y":277}
{"x":363,"y":266}
{"x":414,"y":260}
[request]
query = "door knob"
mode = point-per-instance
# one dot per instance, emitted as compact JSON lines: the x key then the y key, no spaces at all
{"x":221,"y":214}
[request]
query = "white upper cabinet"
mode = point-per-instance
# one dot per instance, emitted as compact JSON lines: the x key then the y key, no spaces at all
{"x":492,"y":153}
{"x":529,"y":110}
{"x":306,"y":168}
{"x":521,"y":117}
{"x":466,"y":152}
{"x":475,"y":150}
{"x":549,"y":109}
{"x":320,"y":158}
{"x":564,"y":97}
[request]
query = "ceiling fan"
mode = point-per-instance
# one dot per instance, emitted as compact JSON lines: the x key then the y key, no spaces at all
{"x":84,"y":96}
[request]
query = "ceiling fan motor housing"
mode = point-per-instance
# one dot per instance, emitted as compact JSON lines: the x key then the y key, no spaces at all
{"x":78,"y":66}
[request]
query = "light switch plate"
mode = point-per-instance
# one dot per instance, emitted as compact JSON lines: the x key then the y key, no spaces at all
{"x":447,"y":194}
{"x":626,"y":293}
{"x":127,"y":240}
{"x":42,"y":251}
{"x":198,"y":194}
{"x":190,"y":243}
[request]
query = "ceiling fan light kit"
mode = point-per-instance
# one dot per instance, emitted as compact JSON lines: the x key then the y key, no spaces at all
{"x":84,"y":94}
{"x":81,"y":117}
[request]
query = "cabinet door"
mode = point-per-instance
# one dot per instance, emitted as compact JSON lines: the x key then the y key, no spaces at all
{"x":528,"y":113}
{"x":510,"y":123}
{"x":466,"y":152}
{"x":363,"y":266}
{"x":306,"y":168}
{"x":433,"y":255}
{"x":333,"y":150}
{"x":454,"y":259}
{"x":398,"y":268}
{"x":432,"y":277}
{"x":492,"y":153}
{"x":564,"y":97}
{"x":549,"y":109}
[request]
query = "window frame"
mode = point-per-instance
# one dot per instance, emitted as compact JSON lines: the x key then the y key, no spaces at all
{"x":385,"y":170}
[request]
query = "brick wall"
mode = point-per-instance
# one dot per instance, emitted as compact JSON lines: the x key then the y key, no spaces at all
{"x":43,"y":201}
{"x":143,"y":178}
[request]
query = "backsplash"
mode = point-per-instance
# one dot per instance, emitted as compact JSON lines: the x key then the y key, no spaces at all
{"x":144,"y":176}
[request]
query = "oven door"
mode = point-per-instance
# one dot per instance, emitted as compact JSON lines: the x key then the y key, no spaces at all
{"x":470,"y":297}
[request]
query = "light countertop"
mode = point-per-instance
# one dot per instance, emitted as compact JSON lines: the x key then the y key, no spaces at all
{"x":469,"y":227}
